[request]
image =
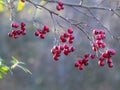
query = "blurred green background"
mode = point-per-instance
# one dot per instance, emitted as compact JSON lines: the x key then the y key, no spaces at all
{"x":61,"y":75}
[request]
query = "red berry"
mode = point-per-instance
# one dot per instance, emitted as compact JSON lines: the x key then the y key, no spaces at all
{"x":86,"y":55}
{"x":65,"y":35}
{"x":70,"y":40}
{"x":94,"y":49}
{"x":80,"y":67}
{"x":23,"y":28}
{"x":22,"y":23}
{"x":53,"y":51}
{"x":62,"y":38}
{"x":84,"y":60}
{"x":101,"y":32}
{"x":103,"y":45}
{"x":62,"y":7}
{"x":101,"y":58}
{"x":95,"y":31}
{"x":65,"y":52}
{"x":61,"y":47}
{"x":76,"y":64}
{"x":18,"y":32}
{"x":60,"y":3}
{"x":70,"y":31}
{"x":15,"y":36}
{"x":46,"y":28}
{"x":110,"y":65}
{"x":15,"y":25}
{"x":71,"y":36}
{"x":101,"y":63}
{"x":72,"y":49}
{"x":98,"y":37}
{"x":10,"y":34}
{"x":55,"y":57}
{"x":36,"y":33}
{"x":109,"y":60}
{"x":92,"y":56}
{"x":66,"y":46}
{"x":56,"y":47}
{"x":102,"y":36}
{"x":58,"y":7}
{"x":112,"y":52}
{"x":42,"y":36}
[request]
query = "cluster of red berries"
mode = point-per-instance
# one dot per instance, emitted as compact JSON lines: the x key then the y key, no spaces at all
{"x":59,"y":6}
{"x":41,"y":32}
{"x":67,"y":36}
{"x":82,"y":62}
{"x":23,"y":1}
{"x":106,"y":55}
{"x":99,"y":37}
{"x":56,"y":50}
{"x":18,"y":31}
{"x":66,"y":48}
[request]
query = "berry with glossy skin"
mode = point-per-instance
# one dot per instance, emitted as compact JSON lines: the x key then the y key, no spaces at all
{"x":76,"y":64}
{"x":70,"y":40}
{"x":10,"y":34}
{"x":86,"y":55}
{"x":22,"y":24}
{"x":70,"y":31}
{"x":61,"y":47}
{"x":71,"y":37}
{"x":101,"y":32}
{"x":15,"y":25}
{"x":95,"y":31}
{"x":58,"y":7}
{"x":110,"y":65}
{"x":109,"y":60}
{"x":60,"y":3}
{"x":36,"y":33}
{"x":66,"y":35}
{"x":101,"y":63}
{"x":92,"y":56}
{"x":80,"y":67}
{"x":62,"y":38}
{"x":42,"y":36}
{"x":72,"y":49}
{"x":55,"y":57}
{"x":45,"y":28}
{"x":65,"y":51}
{"x":66,"y":46}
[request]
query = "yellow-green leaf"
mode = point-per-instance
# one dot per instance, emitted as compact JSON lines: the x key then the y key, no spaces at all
{"x":4,"y":68}
{"x":20,"y":5}
{"x":1,"y":76}
{"x":1,"y":7}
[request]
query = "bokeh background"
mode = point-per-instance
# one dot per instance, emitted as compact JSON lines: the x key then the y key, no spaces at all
{"x":60,"y":75}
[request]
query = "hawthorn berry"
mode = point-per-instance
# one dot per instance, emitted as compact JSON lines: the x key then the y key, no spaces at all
{"x":92,"y":56}
{"x":70,"y":31}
